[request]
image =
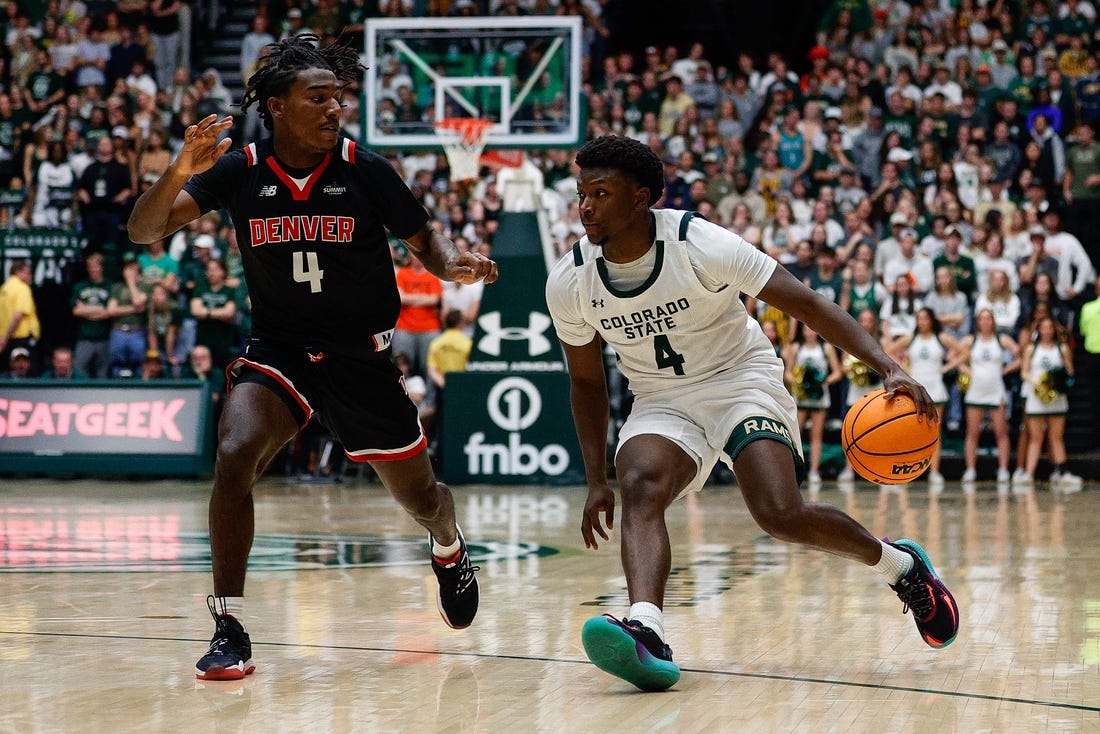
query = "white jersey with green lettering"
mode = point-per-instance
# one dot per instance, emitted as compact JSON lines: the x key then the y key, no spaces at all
{"x":684,"y":323}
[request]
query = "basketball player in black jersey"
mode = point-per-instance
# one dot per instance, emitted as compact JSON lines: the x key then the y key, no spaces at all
{"x":311,"y":210}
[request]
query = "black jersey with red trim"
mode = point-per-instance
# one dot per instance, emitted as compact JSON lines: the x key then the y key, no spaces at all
{"x":313,"y":242}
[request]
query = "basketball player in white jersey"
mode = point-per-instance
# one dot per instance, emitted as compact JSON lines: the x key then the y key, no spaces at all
{"x":662,"y":288}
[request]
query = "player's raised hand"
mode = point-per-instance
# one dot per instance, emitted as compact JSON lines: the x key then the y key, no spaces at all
{"x":470,"y":267}
{"x":600,"y":500}
{"x":201,"y":148}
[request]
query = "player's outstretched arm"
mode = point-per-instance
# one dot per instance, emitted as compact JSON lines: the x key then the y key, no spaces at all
{"x":442,"y":259}
{"x":591,"y":413}
{"x":166,"y":207}
{"x":837,"y":327}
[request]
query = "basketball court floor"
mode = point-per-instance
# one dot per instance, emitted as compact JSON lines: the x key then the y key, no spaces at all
{"x":103,"y":616}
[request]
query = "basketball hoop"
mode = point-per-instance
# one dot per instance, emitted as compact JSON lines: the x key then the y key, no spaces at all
{"x":498,"y":159}
{"x":463,"y":139}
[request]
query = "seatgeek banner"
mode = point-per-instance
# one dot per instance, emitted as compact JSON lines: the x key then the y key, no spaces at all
{"x":59,"y":419}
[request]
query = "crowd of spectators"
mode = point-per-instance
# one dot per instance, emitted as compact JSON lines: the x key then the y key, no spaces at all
{"x":925,"y":153}
{"x":94,"y":98}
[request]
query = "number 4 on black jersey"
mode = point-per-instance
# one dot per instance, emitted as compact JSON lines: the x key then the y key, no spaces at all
{"x":313,"y":242}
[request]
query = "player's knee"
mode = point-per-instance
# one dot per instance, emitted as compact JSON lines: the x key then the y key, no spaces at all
{"x":646,"y":490}
{"x":782,"y":521}
{"x":781,"y":528}
{"x":242,"y":453}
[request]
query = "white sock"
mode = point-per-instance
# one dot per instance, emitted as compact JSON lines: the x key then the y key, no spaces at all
{"x":231,"y":605}
{"x":894,"y":563}
{"x":443,"y":552}
{"x":649,"y":615}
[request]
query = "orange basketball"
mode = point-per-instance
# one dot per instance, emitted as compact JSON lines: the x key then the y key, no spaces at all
{"x":884,"y":441}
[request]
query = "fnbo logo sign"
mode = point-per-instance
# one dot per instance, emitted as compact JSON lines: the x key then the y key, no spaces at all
{"x":514,"y":405}
{"x":511,"y":428}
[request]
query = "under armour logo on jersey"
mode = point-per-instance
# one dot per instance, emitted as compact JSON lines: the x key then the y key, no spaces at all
{"x":537,"y":323}
{"x":597,"y":303}
{"x":268,"y":190}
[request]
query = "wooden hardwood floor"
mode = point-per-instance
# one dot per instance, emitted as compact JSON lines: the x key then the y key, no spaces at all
{"x":104,"y":615}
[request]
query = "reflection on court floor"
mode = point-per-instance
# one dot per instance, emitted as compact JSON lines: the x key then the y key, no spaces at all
{"x":104,"y":616}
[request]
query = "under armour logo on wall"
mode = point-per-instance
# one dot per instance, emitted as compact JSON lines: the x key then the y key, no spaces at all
{"x":537,"y":323}
{"x":597,"y":303}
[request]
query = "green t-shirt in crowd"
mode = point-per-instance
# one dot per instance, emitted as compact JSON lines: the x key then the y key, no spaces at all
{"x":158,"y":268}
{"x":121,"y":293}
{"x":1083,"y":162}
{"x":219,"y":336}
{"x":966,"y":277}
{"x":91,"y":294}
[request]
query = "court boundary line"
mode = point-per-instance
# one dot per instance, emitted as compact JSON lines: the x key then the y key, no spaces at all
{"x":535,"y":658}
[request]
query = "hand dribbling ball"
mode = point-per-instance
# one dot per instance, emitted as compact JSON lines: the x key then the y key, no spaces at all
{"x":883,"y":440}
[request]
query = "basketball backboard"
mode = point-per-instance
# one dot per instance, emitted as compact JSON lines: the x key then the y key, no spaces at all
{"x":523,"y":74}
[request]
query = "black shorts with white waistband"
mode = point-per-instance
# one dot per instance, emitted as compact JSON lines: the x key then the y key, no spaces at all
{"x":361,"y":401}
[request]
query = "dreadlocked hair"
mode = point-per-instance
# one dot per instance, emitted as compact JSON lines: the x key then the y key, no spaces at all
{"x":285,"y":58}
{"x":628,"y":156}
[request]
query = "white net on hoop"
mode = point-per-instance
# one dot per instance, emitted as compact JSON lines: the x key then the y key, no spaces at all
{"x":463,"y":141}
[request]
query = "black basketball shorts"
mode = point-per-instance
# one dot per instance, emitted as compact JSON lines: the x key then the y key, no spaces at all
{"x":361,"y":401}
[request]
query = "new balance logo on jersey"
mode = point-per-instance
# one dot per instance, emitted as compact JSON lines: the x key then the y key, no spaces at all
{"x":268,"y":190}
{"x":537,"y":323}
{"x":299,"y":228}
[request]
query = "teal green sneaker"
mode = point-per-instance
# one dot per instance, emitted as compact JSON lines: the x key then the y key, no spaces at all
{"x":629,"y":650}
{"x":927,"y":597}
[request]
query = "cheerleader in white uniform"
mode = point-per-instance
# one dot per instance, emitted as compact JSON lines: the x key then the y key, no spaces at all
{"x":931,"y":352}
{"x":868,"y":319}
{"x":1048,"y":352}
{"x":987,"y":358}
{"x":804,"y":354}
{"x":855,"y":392}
